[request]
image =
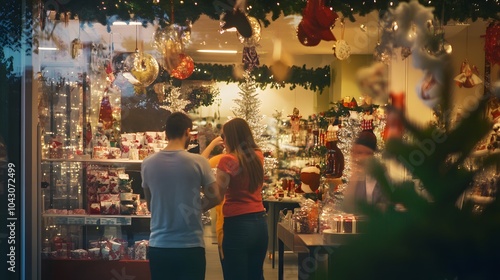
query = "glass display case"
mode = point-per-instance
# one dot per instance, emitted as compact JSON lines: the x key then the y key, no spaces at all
{"x":94,"y":221}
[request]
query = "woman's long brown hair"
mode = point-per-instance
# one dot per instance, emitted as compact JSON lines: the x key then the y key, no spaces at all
{"x":239,"y":141}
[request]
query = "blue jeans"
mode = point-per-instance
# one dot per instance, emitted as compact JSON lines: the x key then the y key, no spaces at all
{"x":177,"y":263}
{"x":244,"y":245}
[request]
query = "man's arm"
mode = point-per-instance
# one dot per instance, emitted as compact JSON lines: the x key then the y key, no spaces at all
{"x":147,"y":196}
{"x":214,"y":193}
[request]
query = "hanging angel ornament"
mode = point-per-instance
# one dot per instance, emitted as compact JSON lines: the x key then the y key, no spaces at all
{"x":468,"y":77}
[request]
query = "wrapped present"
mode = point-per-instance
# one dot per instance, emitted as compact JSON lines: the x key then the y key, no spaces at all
{"x":143,"y":153}
{"x":141,"y":250}
{"x":95,"y":253}
{"x":114,"y":152}
{"x":127,"y":208}
{"x":113,"y":184}
{"x":77,"y":212}
{"x":105,"y":253}
{"x":100,"y":152}
{"x":150,"y":137}
{"x":125,"y":148}
{"x":79,"y":254}
{"x":56,"y":148}
{"x":95,"y":208}
{"x":134,"y":154}
{"x":51,"y":211}
{"x":110,"y":204}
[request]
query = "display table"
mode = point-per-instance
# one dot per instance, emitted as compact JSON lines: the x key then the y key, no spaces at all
{"x":314,"y":254}
{"x":273,"y":208}
{"x":95,"y":269}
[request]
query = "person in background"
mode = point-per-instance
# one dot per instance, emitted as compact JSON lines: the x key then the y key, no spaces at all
{"x":171,"y":180}
{"x":240,"y":176}
{"x":362,"y":187}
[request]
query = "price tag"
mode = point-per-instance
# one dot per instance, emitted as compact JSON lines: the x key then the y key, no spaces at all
{"x":124,"y":221}
{"x":76,"y":220}
{"x":91,"y":221}
{"x":108,"y":221}
{"x":61,"y":220}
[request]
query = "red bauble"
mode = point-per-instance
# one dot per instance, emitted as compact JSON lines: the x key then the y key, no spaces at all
{"x":184,"y":69}
{"x":492,"y":43}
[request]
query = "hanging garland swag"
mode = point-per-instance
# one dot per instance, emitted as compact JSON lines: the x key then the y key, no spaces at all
{"x":310,"y":79}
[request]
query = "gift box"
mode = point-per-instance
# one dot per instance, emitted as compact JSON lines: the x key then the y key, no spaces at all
{"x":94,"y":253}
{"x":114,"y":153}
{"x":110,"y":204}
{"x":100,"y":152}
{"x":79,"y":254}
{"x":141,"y":250}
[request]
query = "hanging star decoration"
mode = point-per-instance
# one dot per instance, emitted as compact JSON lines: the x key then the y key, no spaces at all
{"x":174,"y":102}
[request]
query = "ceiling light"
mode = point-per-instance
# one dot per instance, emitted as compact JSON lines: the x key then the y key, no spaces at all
{"x":125,"y":23}
{"x":47,"y":49}
{"x":218,"y":51}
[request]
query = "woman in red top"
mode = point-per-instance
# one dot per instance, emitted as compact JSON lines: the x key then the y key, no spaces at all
{"x":240,"y":175}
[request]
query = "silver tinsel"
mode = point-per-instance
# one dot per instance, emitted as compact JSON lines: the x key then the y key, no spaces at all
{"x":347,"y":133}
{"x":248,"y":108}
{"x":173,"y":101}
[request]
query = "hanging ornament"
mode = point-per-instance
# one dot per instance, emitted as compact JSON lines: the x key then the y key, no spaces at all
{"x":106,"y":113}
{"x":317,"y":19}
{"x":341,"y":49}
{"x":492,"y":43}
{"x":141,"y":69}
{"x":109,"y":73}
{"x":184,"y":69}
{"x":76,"y":48}
{"x":430,"y":90}
{"x":467,"y":77}
{"x":171,"y":41}
{"x":382,"y":54}
{"x":405,"y":52}
{"x":304,"y":39}
{"x":250,"y":58}
{"x":236,"y":18}
{"x":255,"y":37}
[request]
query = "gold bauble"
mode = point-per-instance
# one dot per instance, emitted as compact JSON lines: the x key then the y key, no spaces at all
{"x":143,"y":67}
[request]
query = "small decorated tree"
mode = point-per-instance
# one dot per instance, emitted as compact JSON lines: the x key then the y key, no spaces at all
{"x":248,"y":108}
{"x":432,"y":236}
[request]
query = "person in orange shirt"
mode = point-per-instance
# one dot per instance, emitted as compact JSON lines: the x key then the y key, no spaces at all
{"x":240,"y":176}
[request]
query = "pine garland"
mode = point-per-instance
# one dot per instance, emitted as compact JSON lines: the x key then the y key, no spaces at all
{"x":311,"y":79}
{"x":149,"y":11}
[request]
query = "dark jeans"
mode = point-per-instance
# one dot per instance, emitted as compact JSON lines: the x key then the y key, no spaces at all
{"x":177,"y":263}
{"x":244,"y":246}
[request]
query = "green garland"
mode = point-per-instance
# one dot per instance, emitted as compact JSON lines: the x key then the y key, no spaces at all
{"x":201,"y":96}
{"x":311,"y":79}
{"x":149,"y":11}
{"x":338,"y":109}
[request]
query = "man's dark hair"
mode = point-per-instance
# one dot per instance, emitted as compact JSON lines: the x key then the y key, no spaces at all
{"x":176,"y":125}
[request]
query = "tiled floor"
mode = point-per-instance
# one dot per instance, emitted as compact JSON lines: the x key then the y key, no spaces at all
{"x":214,"y":270}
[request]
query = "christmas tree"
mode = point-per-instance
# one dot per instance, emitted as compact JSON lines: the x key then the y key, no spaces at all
{"x":431,"y":234}
{"x":248,"y":108}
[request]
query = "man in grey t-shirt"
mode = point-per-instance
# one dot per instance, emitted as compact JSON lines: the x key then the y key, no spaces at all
{"x":171,"y":180}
